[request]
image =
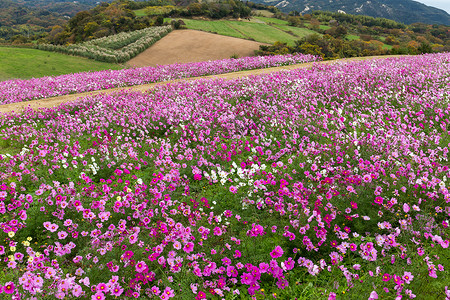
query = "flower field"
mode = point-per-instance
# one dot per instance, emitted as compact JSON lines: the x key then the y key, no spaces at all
{"x":23,"y":90}
{"x":321,"y":183}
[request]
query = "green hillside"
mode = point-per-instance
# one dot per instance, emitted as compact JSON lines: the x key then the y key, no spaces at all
{"x":260,"y":29}
{"x":26,"y":63}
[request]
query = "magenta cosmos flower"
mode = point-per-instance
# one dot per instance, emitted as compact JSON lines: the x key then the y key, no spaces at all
{"x":141,"y":267}
{"x":189,"y":247}
{"x":200,"y":295}
{"x":379,"y":200}
{"x":9,"y":288}
{"x":98,"y":296}
{"x":277,"y":252}
{"x":386,"y":277}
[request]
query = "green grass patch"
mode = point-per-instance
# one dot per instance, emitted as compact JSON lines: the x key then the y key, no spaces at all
{"x":25,"y":63}
{"x":140,"y":12}
{"x":300,"y":32}
{"x":220,"y":27}
{"x":263,"y":33}
{"x":271,"y":20}
{"x":352,"y":37}
{"x":263,"y":12}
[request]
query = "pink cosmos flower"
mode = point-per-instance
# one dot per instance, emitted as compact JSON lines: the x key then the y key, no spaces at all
{"x":378,"y":200}
{"x":408,"y":277}
{"x":155,"y":290}
{"x":169,"y":292}
{"x":9,"y":288}
{"x":246,"y":278}
{"x":263,"y":267}
{"x":289,"y":263}
{"x":226,"y":261}
{"x":282,"y":283}
{"x":98,"y":296}
{"x":406,"y":208}
{"x":77,"y":290}
{"x":141,"y":267}
{"x":200,"y":295}
{"x":62,"y":235}
{"x":373,"y":295}
{"x":398,"y":280}
{"x":116,"y":291}
{"x":277,"y":252}
{"x":217,"y":231}
{"x":101,"y":287}
{"x":386,"y":277}
{"x":189,"y":247}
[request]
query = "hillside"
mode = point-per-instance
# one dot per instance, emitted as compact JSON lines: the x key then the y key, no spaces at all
{"x":405,"y":11}
{"x":63,"y":7}
{"x":20,"y":23}
{"x":259,"y":29}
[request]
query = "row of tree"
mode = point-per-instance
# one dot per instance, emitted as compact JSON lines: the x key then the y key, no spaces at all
{"x":329,"y":47}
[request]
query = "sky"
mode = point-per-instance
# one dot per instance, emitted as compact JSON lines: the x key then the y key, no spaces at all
{"x":442,"y":4}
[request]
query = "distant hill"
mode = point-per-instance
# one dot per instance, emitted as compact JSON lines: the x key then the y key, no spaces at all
{"x":63,"y":7}
{"x":17,"y":20}
{"x":405,"y":11}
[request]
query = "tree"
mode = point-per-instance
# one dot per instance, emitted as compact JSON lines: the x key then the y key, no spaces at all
{"x":90,"y":28}
{"x":294,"y":21}
{"x":425,"y":48}
{"x":337,"y":32}
{"x":315,"y":24}
{"x":159,"y":21}
{"x":307,"y":48}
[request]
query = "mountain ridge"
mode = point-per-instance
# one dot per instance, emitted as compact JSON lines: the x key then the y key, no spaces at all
{"x":405,"y":11}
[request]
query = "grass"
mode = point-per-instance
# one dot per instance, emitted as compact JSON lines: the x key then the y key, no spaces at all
{"x":271,"y":20}
{"x":299,"y":32}
{"x":352,"y":37}
{"x":259,"y":32}
{"x":25,"y":63}
{"x":324,"y":27}
{"x":263,"y":12}
{"x":220,"y":27}
{"x":140,"y":12}
{"x":263,"y":33}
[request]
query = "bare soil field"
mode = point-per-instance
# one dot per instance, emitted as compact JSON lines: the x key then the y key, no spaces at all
{"x":183,"y":46}
{"x":55,"y":101}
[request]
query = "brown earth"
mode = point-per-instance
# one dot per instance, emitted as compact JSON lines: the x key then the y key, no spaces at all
{"x":183,"y":46}
{"x":55,"y":101}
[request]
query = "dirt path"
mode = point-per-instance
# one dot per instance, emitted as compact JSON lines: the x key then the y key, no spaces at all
{"x":55,"y":101}
{"x":183,"y":46}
